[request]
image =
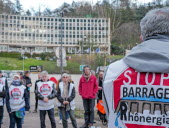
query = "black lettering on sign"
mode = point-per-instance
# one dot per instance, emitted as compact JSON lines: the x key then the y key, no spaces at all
{"x":123,"y":110}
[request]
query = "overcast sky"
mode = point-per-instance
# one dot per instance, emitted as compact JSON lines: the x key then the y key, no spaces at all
{"x":52,"y":4}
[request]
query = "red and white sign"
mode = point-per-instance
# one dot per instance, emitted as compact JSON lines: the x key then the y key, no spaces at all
{"x":141,"y":100}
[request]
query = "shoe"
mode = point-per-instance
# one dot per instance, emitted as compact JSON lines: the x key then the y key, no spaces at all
{"x":60,"y":121}
{"x":35,"y":111}
{"x":84,"y":126}
{"x":69,"y":121}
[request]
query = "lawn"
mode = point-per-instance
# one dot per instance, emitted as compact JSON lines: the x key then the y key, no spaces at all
{"x":94,"y":61}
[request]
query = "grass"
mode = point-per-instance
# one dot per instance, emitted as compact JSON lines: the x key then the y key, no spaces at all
{"x":72,"y":67}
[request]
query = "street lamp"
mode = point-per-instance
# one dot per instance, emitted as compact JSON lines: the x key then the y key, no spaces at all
{"x":61,"y":56}
{"x":61,"y":11}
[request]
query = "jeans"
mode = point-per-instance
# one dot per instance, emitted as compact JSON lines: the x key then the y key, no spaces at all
{"x":88,"y":105}
{"x":51,"y":117}
{"x":72,"y":117}
{"x":60,"y":114}
{"x":14,"y":119}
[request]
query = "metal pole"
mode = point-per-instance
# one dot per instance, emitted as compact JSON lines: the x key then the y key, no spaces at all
{"x":61,"y":56}
{"x":82,"y":52}
{"x":23,"y":61}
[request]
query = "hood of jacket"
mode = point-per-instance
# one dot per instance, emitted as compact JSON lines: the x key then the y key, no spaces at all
{"x":150,"y":56}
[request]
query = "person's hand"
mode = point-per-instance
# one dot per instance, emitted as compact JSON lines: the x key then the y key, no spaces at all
{"x":100,"y":88}
{"x":65,"y":102}
{"x":29,"y":85}
{"x":46,"y":99}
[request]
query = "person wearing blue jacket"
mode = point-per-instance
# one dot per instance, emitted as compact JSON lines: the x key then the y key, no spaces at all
{"x":17,"y":102}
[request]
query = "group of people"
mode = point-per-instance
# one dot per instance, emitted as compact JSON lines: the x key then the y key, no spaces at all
{"x":17,"y":97}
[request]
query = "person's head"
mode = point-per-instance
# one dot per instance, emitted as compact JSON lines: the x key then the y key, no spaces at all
{"x":16,"y":77}
{"x":93,"y":72}
{"x":65,"y":77}
{"x":20,"y":74}
{"x":101,"y":73}
{"x":155,"y":21}
{"x":1,"y":74}
{"x":44,"y":76}
{"x":39,"y":76}
{"x":27,"y":73}
{"x":86,"y":70}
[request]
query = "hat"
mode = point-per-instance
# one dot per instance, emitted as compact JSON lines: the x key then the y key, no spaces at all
{"x":16,"y":75}
{"x":65,"y":75}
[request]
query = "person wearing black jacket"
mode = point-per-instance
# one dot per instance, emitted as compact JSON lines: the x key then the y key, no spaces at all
{"x":46,"y":92}
{"x":100,"y":83}
{"x":36,"y":98}
{"x":27,"y":82}
{"x":3,"y":81}
{"x":17,"y":102}
{"x":2,"y":96}
{"x":65,"y":95}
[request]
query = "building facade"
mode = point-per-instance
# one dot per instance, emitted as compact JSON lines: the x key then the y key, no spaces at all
{"x":43,"y":34}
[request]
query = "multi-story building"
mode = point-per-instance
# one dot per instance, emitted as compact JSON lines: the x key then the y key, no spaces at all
{"x":43,"y":34}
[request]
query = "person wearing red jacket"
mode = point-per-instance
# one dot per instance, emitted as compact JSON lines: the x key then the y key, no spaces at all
{"x":88,"y":88}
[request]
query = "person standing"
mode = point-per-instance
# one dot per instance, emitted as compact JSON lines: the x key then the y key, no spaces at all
{"x":100,"y":83}
{"x":17,"y":102}
{"x":2,"y":96}
{"x":131,"y":85}
{"x":46,"y":92}
{"x":88,"y":88}
{"x":4,"y":82}
{"x":36,"y":98}
{"x":66,"y":95}
{"x":27,"y":82}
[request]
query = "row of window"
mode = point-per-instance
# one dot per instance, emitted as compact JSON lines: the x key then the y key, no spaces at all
{"x":36,"y":42}
{"x":53,"y":26}
{"x":49,"y":35}
{"x":53,"y":19}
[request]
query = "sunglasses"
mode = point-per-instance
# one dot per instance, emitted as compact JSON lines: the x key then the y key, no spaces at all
{"x":64,"y":77}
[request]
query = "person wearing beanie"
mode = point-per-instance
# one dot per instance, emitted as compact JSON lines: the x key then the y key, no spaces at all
{"x":66,"y":94}
{"x":17,"y":102}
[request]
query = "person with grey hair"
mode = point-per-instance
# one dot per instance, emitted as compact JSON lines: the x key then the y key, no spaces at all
{"x":135,"y":88}
{"x":46,"y":92}
{"x":66,"y":94}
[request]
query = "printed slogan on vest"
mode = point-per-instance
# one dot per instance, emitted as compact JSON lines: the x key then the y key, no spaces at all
{"x":45,"y":89}
{"x":141,"y":100}
{"x":16,"y":93}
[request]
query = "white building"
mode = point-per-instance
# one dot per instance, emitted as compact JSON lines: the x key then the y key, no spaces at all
{"x":43,"y":34}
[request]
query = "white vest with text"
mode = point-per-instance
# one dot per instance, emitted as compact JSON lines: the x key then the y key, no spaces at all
{"x":17,"y":100}
{"x":45,"y":89}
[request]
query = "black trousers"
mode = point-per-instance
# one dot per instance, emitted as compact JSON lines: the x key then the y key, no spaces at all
{"x":88,"y":105}
{"x":51,"y":117}
{"x":36,"y":102}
